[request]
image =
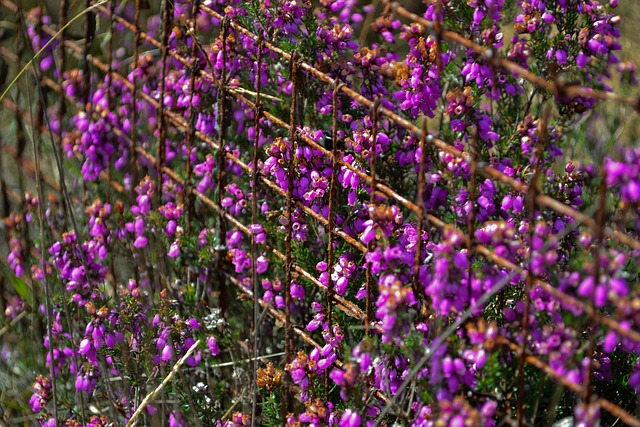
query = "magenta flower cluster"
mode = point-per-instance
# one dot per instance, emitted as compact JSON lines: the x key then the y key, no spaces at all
{"x":406,"y":307}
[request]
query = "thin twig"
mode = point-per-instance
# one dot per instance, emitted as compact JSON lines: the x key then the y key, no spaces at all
{"x":254,"y":250}
{"x":13,"y":322}
{"x":43,"y":265}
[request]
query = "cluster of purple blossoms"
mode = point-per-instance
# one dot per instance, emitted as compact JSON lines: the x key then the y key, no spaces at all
{"x":101,"y":335}
{"x":175,"y":337}
{"x":172,"y":213}
{"x":419,"y":76}
{"x":42,"y":393}
{"x":79,"y":266}
{"x":459,"y":412}
{"x":16,"y":258}
{"x":39,"y":40}
{"x":626,"y":174}
{"x":146,"y":192}
{"x":304,"y":366}
{"x":17,"y":226}
{"x":93,"y":137}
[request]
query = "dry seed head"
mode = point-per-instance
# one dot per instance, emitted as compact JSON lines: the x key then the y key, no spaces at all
{"x":269,"y":377}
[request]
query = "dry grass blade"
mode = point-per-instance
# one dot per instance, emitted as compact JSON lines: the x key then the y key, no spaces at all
{"x":149,"y":397}
{"x":46,"y":45}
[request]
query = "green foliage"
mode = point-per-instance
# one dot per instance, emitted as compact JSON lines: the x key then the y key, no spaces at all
{"x":271,"y":411}
{"x":19,"y":285}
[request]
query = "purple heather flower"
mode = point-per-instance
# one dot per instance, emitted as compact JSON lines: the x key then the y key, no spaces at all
{"x":176,"y":419}
{"x":262,"y":264}
{"x":350,"y":418}
{"x":167,"y":353}
{"x":170,"y":228}
{"x":213,"y":345}
{"x":279,"y":301}
{"x":297,"y":291}
{"x":299,"y":376}
{"x":235,"y":239}
{"x":582,"y":59}
{"x":325,"y":363}
{"x":36,"y":402}
{"x":369,"y":233}
{"x":85,"y":346}
{"x":140,"y":242}
{"x":561,"y":56}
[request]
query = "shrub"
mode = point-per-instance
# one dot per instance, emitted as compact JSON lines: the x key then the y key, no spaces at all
{"x":287,"y":213}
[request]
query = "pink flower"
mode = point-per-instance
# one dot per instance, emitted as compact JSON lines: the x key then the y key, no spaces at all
{"x":167,"y":353}
{"x":213,"y":345}
{"x":140,"y":242}
{"x":262,"y":264}
{"x":174,"y":250}
{"x":297,"y":291}
{"x":350,"y":419}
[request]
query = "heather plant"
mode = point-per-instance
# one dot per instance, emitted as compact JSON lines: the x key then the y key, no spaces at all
{"x":297,"y":213}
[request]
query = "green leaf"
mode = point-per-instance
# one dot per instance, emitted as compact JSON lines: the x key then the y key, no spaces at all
{"x":20,"y":286}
